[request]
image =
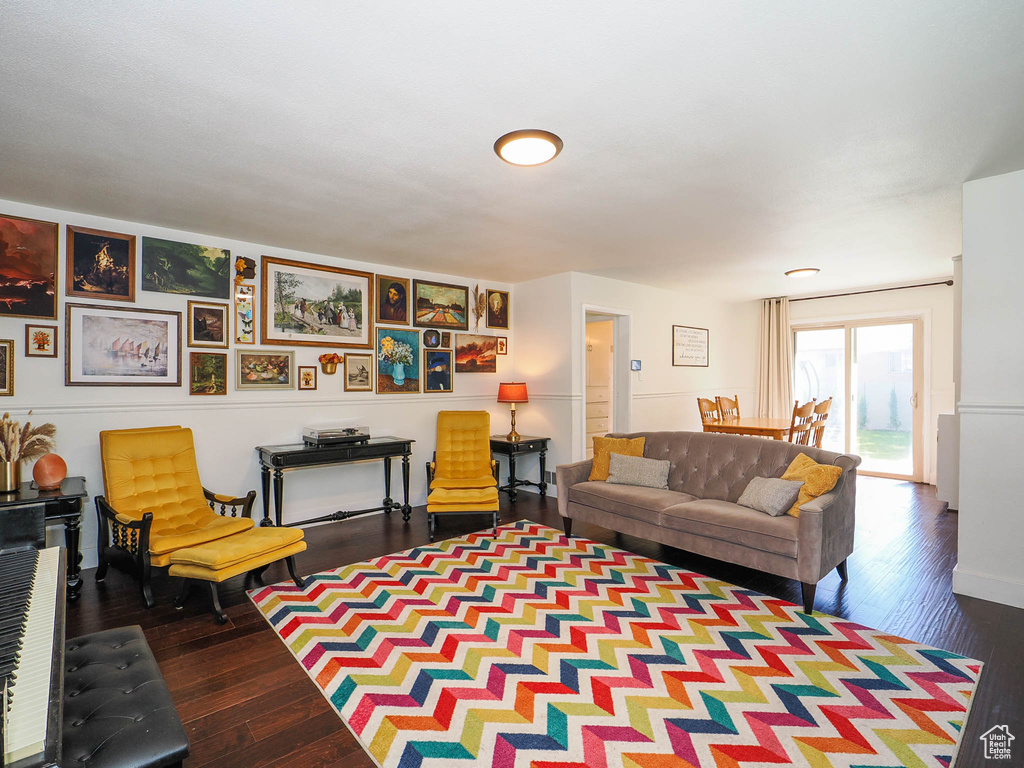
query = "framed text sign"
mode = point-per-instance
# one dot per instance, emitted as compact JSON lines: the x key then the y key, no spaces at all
{"x":689,"y":346}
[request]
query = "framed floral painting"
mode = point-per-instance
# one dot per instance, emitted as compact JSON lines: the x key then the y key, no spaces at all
{"x":40,"y":340}
{"x":307,"y":377}
{"x":398,"y":361}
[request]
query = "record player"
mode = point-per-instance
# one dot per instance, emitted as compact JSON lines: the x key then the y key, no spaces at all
{"x":334,"y":434}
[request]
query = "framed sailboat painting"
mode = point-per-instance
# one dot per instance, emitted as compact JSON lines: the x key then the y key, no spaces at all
{"x":112,"y":347}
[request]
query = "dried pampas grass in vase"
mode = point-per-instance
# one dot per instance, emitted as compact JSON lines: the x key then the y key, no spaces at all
{"x":18,"y":444}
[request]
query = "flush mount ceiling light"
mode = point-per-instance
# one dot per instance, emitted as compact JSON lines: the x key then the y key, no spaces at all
{"x":805,"y":272}
{"x":531,"y":147}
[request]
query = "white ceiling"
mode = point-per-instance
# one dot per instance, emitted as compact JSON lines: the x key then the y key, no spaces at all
{"x":708,"y":146}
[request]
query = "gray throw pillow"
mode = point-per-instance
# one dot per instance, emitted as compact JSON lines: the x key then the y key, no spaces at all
{"x":636,"y":470}
{"x":771,"y":495}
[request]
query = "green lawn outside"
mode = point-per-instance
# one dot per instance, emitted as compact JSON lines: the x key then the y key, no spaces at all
{"x":883,"y":443}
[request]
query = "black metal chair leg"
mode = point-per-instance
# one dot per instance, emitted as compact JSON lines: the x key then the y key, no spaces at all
{"x":186,"y":588}
{"x":299,"y":581}
{"x":221,"y":616}
{"x":257,"y":573}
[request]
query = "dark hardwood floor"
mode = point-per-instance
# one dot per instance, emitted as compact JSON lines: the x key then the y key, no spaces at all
{"x":246,"y":702}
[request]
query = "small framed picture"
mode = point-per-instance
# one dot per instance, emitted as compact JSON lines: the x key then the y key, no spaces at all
{"x":208,"y":373}
{"x":207,"y":324}
{"x":446,"y":339}
{"x":503,"y":345}
{"x":245,"y":314}
{"x":392,"y":300}
{"x":358,"y":373}
{"x":307,"y":377}
{"x":40,"y":340}
{"x":634,"y":365}
{"x":6,"y":367}
{"x":264,"y":369}
{"x":100,"y":265}
{"x":440,"y":305}
{"x":431,"y":339}
{"x":438,"y":365}
{"x":497,"y":309}
{"x":475,"y":353}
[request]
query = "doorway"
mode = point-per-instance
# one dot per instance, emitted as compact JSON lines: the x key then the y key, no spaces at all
{"x":873,"y":372}
{"x":606,"y":383}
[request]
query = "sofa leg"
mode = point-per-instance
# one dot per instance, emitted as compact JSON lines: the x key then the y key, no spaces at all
{"x":567,"y":525}
{"x":808,"y":592}
{"x":841,"y":568}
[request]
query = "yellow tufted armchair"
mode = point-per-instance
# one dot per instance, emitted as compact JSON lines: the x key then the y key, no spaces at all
{"x":154,"y":503}
{"x":462,"y":478}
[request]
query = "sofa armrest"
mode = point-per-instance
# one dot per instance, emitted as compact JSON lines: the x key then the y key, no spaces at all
{"x":566,"y":476}
{"x":826,"y":528}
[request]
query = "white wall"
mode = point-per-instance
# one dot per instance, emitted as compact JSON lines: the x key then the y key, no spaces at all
{"x":991,"y":529}
{"x":227,"y":428}
{"x":934,"y":305}
{"x":551,"y":334}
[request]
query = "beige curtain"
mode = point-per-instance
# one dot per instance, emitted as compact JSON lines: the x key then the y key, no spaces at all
{"x":775,"y":360}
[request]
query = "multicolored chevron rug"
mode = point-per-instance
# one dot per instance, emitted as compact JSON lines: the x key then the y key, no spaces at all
{"x":536,"y":650}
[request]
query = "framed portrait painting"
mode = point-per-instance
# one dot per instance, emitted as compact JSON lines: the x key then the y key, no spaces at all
{"x":316,"y":305}
{"x":207,"y":324}
{"x":358,"y":372}
{"x":6,"y":367}
{"x":437,"y":364}
{"x":441,"y":305}
{"x":100,"y":265}
{"x":497,"y":309}
{"x":392,"y":300}
{"x":208,"y":373}
{"x":28,"y":268}
{"x":40,"y":340}
{"x":398,"y":361}
{"x":475,"y":353}
{"x":194,"y":270}
{"x":264,"y":369}
{"x":114,"y":346}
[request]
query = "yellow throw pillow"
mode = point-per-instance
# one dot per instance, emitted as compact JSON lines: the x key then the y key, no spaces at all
{"x":605,"y":446}
{"x":817,"y":478}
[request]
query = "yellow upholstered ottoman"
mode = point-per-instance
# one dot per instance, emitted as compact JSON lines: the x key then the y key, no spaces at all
{"x":251,"y":551}
{"x":443,"y":501}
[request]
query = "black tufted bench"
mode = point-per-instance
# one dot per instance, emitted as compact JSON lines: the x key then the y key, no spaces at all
{"x":118,"y":712}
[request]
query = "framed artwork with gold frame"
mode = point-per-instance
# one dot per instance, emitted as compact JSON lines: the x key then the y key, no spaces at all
{"x":100,"y":265}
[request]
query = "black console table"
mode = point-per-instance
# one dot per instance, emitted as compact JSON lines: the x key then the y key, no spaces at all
{"x":525,"y":444}
{"x":277,"y":458}
{"x":64,"y":503}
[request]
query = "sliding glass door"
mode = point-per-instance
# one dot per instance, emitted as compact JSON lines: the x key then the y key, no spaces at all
{"x":872,"y":372}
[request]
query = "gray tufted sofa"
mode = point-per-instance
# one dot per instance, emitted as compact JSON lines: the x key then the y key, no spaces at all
{"x":698,"y":511}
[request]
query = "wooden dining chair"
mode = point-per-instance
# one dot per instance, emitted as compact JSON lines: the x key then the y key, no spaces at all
{"x":803,"y":421}
{"x":729,"y":407}
{"x":708,"y":411}
{"x":820,"y":418}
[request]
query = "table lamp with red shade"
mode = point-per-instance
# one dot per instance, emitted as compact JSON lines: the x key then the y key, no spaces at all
{"x":513,"y":392}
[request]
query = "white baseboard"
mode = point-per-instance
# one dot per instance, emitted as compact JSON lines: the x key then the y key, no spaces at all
{"x":988,"y":587}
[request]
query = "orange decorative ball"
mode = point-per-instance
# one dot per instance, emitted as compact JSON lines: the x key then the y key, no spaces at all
{"x":49,"y":472}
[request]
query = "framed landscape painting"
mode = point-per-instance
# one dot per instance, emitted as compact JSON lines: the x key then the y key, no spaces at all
{"x":28,"y":268}
{"x":358,"y":373}
{"x":398,"y":361}
{"x":316,"y":305}
{"x":207,"y":324}
{"x":392,"y":300}
{"x":476,"y":354}
{"x":100,"y":265}
{"x":195,"y":270}
{"x":114,"y":346}
{"x":264,"y":369}
{"x":441,"y":305}
{"x":438,"y":365}
{"x":208,"y":373}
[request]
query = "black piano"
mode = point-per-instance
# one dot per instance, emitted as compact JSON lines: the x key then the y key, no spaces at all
{"x":32,"y":600}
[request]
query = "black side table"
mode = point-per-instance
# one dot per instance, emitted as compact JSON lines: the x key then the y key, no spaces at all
{"x":63,"y":504}
{"x":525,"y":444}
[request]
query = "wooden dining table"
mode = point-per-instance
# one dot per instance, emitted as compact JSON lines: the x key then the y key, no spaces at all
{"x":776,"y":428}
